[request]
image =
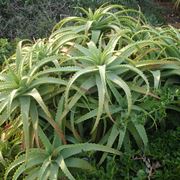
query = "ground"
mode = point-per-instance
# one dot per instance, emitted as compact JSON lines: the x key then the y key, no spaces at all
{"x":170,"y":13}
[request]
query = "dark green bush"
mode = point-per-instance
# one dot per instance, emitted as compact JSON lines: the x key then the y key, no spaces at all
{"x":6,"y":49}
{"x":34,"y":19}
{"x":163,"y":160}
{"x":165,"y":148}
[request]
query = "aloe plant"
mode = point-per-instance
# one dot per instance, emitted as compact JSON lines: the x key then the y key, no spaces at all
{"x":105,"y":17}
{"x":104,"y":66}
{"x":86,"y":84}
{"x":54,"y":161}
{"x":19,"y":91}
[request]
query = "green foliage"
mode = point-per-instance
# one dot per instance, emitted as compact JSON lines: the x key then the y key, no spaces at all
{"x":35,"y":19}
{"x":6,"y":49}
{"x":53,"y":162}
{"x":133,"y":165}
{"x":84,"y":89}
{"x":10,"y":141}
{"x":161,"y":150}
{"x":30,"y":18}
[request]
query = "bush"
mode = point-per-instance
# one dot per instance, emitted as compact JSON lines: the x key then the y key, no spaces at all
{"x":6,"y":49}
{"x":83,"y":90}
{"x":165,"y":149}
{"x":35,"y":19}
{"x":160,"y":163}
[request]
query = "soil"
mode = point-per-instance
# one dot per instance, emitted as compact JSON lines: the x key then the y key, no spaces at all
{"x":170,"y":13}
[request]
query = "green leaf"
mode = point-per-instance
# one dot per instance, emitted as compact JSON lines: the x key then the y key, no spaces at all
{"x":75,"y":133}
{"x":135,"y":134}
{"x":122,"y":84}
{"x":111,"y":139}
{"x":140,"y":73}
{"x":35,"y":94}
{"x":18,"y":55}
{"x":76,"y":76}
{"x":100,"y":82}
{"x":142,"y":133}
{"x":15,"y":163}
{"x":87,"y":116}
{"x":57,"y":70}
{"x":45,"y":141}
{"x":95,"y":36}
{"x":78,"y":163}
{"x":33,"y":174}
{"x":35,"y":120}
{"x":54,"y":170}
{"x":40,"y":64}
{"x":115,"y":92}
{"x":25,"y":107}
{"x":156,"y":74}
{"x":59,"y":111}
{"x":70,"y":150}
{"x":89,"y":83}
{"x":44,"y":168}
{"x":122,"y":133}
{"x":60,"y":161}
{"x":35,"y":157}
{"x":47,"y":80}
{"x":3,"y":105}
{"x":11,"y":98}
{"x":30,"y":163}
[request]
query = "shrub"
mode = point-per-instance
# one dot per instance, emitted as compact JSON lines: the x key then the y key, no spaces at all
{"x":6,"y":49}
{"x":83,"y":88}
{"x":160,"y":163}
{"x":35,"y":19}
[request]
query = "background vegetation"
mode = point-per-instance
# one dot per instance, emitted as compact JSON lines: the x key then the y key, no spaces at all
{"x":34,"y":19}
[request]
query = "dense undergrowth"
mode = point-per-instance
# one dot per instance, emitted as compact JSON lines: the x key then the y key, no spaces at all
{"x":7,"y":48}
{"x":101,"y":83}
{"x":39,"y":17}
{"x":160,"y":163}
